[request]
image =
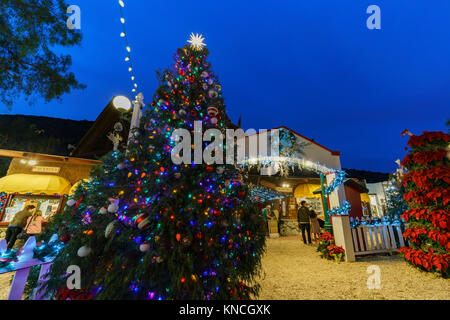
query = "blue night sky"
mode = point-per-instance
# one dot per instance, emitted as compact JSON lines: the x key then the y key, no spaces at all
{"x":312,"y":66}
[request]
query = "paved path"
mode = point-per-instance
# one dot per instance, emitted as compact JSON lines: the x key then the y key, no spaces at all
{"x":295,"y":271}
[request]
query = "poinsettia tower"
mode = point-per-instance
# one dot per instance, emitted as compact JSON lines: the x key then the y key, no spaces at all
{"x":428,"y":196}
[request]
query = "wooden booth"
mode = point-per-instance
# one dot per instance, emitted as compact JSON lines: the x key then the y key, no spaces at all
{"x":39,"y":179}
{"x":296,"y":185}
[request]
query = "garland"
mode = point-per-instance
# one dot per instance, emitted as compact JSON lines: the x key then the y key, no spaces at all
{"x":44,"y":253}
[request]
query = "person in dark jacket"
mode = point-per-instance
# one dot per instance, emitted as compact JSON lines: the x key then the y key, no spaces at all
{"x":303,"y":221}
{"x":17,"y":224}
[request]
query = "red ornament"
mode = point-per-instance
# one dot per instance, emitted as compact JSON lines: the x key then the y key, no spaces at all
{"x":65,"y":238}
{"x":209,"y":168}
{"x":212,"y":111}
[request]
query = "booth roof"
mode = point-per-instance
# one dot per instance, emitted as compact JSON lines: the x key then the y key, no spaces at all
{"x":306,"y":190}
{"x":34,"y":184}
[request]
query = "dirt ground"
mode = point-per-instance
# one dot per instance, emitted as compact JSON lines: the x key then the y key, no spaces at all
{"x":294,"y":271}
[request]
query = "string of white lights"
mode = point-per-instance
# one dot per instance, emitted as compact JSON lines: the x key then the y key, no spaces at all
{"x":127,"y":47}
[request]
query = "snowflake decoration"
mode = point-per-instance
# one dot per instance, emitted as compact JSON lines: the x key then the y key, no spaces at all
{"x":196,"y":41}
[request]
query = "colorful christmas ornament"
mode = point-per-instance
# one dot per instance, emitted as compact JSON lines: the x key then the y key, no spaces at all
{"x":113,"y":206}
{"x":213,"y":94}
{"x":212,"y":111}
{"x":143,"y":221}
{"x":109,"y":229}
{"x":65,"y":237}
{"x":220,"y":170}
{"x":144,"y":247}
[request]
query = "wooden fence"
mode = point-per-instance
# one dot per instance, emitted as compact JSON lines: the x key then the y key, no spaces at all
{"x":377,"y":239}
{"x":22,"y":269}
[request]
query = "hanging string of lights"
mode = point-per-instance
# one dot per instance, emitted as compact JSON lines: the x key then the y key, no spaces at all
{"x":127,"y":46}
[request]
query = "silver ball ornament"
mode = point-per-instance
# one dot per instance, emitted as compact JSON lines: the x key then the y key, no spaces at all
{"x":71,"y":203}
{"x":84,"y":251}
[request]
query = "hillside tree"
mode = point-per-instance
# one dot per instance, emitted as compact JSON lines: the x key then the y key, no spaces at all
{"x":30,"y":66}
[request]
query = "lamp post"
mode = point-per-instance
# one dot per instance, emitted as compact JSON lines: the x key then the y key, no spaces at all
{"x":327,"y":226}
{"x":138,"y":105}
{"x":123,"y":104}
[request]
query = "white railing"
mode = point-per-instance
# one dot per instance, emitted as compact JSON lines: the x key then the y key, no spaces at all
{"x":377,"y":239}
{"x":22,"y":269}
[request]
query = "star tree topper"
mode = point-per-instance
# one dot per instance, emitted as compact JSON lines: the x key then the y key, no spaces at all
{"x":196,"y":41}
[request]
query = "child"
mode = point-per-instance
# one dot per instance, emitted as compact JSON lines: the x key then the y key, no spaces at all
{"x":34,"y":224}
{"x":315,"y":228}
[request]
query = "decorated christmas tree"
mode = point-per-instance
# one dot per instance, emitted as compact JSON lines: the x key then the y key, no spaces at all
{"x":395,"y":204}
{"x":427,"y":194}
{"x":147,"y":228}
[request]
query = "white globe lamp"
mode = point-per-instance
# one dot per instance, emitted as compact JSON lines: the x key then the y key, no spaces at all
{"x":122,"y":103}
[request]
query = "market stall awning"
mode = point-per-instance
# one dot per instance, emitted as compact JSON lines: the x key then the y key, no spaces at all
{"x":306,"y":190}
{"x":34,"y":184}
{"x":75,"y":186}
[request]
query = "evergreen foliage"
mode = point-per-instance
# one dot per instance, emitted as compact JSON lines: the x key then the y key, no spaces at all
{"x":30,"y":30}
{"x":155,"y":230}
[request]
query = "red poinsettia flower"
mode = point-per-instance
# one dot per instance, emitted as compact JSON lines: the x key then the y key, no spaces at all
{"x":334,"y":249}
{"x":326,"y":236}
{"x":427,"y":137}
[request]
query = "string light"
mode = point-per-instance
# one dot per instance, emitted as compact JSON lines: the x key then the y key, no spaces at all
{"x":123,"y":35}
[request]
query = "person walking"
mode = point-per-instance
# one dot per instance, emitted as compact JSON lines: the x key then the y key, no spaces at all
{"x":303,"y":216}
{"x":266,"y":216}
{"x":34,"y":224}
{"x":315,"y":227}
{"x":17,"y":224}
